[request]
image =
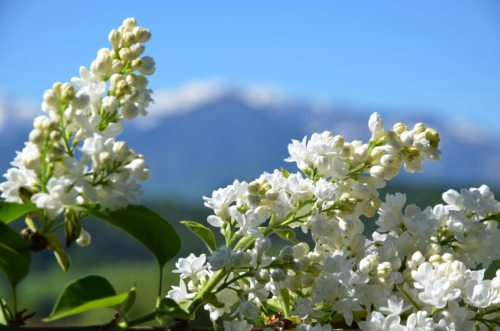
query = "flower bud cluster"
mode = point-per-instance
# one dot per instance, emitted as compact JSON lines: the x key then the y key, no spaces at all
{"x":72,"y":156}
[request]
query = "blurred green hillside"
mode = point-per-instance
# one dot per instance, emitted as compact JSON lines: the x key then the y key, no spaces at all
{"x":125,"y":263}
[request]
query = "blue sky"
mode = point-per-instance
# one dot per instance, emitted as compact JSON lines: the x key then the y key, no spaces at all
{"x":439,"y":56}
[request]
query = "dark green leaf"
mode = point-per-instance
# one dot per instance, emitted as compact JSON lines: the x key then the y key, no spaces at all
{"x":150,"y":229}
{"x":287,"y":234}
{"x":203,"y":232}
{"x":15,"y":256}
{"x":170,"y":308}
{"x":10,"y":211}
{"x":88,"y":293}
{"x":491,"y":271}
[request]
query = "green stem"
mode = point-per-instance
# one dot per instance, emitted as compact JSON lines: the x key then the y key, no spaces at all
{"x":160,"y":285}
{"x":198,"y":299}
{"x":137,"y":321}
{"x":14,"y":299}
{"x":413,"y":302}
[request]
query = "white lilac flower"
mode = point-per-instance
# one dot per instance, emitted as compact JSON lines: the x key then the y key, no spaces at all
{"x":221,"y":258}
{"x":180,"y":293}
{"x":390,"y":213}
{"x":247,"y":310}
{"x":227,"y":298}
{"x":315,"y":327}
{"x":237,"y":325}
{"x":192,"y":267}
{"x":481,"y":295}
{"x":59,"y":194}
{"x":420,"y":321}
{"x":394,"y":305}
{"x":456,"y":318}
{"x":376,"y":321}
{"x":437,"y":283}
{"x":15,"y":180}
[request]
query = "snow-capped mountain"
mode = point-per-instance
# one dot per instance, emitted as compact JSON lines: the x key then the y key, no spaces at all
{"x":202,"y":136}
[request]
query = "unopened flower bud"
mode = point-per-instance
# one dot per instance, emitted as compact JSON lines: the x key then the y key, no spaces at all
{"x":419,"y":128}
{"x":140,"y":81}
{"x":127,"y":39}
{"x":55,"y":135}
{"x":416,"y":259}
{"x":377,"y":171}
{"x":120,"y":149}
{"x":262,"y":244}
{"x":399,"y":128}
{"x":109,"y":103}
{"x":117,"y":66}
{"x":315,"y":257}
{"x":40,"y":122}
{"x":338,"y":141}
{"x":240,"y":259}
{"x":129,"y":23}
{"x":67,"y":92}
{"x":141,"y":34}
{"x":384,"y":269}
{"x":83,"y":239}
{"x":147,"y":65}
{"x":272,"y":195}
{"x":57,"y":87}
{"x":303,"y":263}
{"x":278,"y":275}
{"x":50,"y":98}
{"x":129,"y":110}
{"x":114,"y":38}
{"x":126,"y":54}
{"x":447,"y":257}
{"x":104,"y":158}
{"x":36,"y":136}
{"x":57,"y":151}
{"x":300,"y":250}
{"x":262,"y":276}
{"x":435,"y":259}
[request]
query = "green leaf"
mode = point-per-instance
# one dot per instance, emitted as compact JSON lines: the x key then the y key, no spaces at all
{"x":285,"y":172}
{"x":15,"y":256}
{"x":10,"y":211}
{"x":129,"y":303}
{"x":84,"y":294}
{"x":285,"y":299}
{"x":287,"y":234}
{"x":150,"y":229}
{"x":170,"y":308}
{"x":72,"y":226}
{"x":491,"y":271}
{"x":203,"y":232}
{"x":61,"y":256}
{"x":5,"y":314}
